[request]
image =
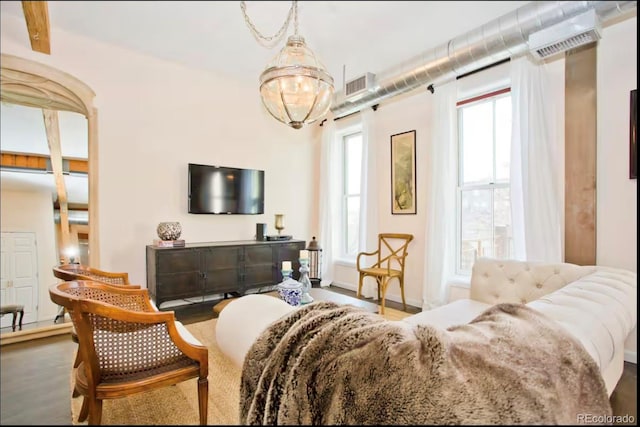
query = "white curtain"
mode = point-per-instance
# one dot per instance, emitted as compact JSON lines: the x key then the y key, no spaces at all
{"x":442,"y":166}
{"x":535,"y":203}
{"x":329,"y":199}
{"x":368,"y":232}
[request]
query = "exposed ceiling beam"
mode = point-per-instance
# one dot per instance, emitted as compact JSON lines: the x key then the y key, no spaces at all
{"x":23,"y":161}
{"x":36,"y":13}
{"x":52,"y":128}
{"x":38,"y":162}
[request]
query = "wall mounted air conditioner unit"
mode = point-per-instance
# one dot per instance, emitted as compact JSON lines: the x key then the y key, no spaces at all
{"x":360,"y":86}
{"x":577,"y":31}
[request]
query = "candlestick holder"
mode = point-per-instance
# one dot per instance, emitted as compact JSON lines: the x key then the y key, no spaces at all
{"x":306,"y":298}
{"x":279,"y":225}
{"x":286,"y":274}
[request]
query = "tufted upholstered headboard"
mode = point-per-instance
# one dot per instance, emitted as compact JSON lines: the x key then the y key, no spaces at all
{"x":495,"y":281}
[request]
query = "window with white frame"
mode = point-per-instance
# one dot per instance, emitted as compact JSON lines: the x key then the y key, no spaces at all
{"x":351,"y":177}
{"x":484,"y":209}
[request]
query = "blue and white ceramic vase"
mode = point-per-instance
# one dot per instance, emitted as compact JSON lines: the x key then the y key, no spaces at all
{"x":290,"y":291}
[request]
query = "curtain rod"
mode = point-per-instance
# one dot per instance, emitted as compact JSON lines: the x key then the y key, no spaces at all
{"x":431,"y":89}
{"x":373,"y":107}
{"x":486,"y":67}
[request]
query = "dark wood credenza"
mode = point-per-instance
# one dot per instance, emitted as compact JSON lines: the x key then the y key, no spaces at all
{"x":201,"y":269}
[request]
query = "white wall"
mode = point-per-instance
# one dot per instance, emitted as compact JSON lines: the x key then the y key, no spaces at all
{"x":617,"y":195}
{"x":155,"y":117}
{"x":22,"y":211}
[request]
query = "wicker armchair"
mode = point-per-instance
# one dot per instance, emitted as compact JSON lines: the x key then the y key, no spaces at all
{"x":71,"y":272}
{"x":127,"y":346}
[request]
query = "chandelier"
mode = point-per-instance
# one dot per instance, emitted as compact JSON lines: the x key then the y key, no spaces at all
{"x":295,"y":87}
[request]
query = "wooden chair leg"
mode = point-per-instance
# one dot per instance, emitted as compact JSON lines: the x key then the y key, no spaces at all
{"x":84,"y":411}
{"x":404,"y":304}
{"x":95,"y":411}
{"x":203,"y":399}
{"x":384,"y":292}
{"x":360,"y":285}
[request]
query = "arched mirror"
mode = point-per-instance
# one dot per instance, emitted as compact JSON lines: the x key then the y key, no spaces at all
{"x":46,"y":154}
{"x":38,"y":99}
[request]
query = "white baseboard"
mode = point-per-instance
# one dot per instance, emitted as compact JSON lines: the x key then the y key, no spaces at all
{"x":35,"y":333}
{"x":394,"y":298}
{"x":631,"y":356}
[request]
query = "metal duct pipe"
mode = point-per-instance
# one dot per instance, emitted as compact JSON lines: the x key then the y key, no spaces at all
{"x":74,"y":217}
{"x":495,"y":41}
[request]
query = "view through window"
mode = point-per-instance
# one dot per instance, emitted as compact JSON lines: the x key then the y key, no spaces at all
{"x":351,"y":172}
{"x":484,"y":209}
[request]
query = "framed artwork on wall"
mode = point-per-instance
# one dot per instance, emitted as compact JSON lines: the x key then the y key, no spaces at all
{"x":403,"y":173}
{"x":633,"y":137}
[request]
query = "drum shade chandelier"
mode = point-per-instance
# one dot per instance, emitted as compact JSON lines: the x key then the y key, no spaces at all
{"x":295,"y":87}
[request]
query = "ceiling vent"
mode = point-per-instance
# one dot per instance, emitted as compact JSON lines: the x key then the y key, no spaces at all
{"x":577,"y":31}
{"x":360,"y":86}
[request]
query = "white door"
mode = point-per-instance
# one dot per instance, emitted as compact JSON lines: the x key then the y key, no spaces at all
{"x":19,"y":275}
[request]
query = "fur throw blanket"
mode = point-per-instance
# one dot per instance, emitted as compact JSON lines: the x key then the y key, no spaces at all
{"x":337,"y":364}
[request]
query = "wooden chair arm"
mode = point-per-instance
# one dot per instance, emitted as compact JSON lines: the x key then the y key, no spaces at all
{"x":364,"y":254}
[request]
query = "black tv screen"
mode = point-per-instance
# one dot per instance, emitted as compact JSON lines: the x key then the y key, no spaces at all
{"x":224,"y":190}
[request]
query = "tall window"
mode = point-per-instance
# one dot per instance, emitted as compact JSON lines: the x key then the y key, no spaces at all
{"x":351,"y":173}
{"x":484,"y":210}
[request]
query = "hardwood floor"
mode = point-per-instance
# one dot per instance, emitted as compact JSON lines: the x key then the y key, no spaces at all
{"x":35,"y":375}
{"x":35,"y":381}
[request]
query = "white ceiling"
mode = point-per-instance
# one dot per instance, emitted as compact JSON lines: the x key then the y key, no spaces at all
{"x":349,"y":37}
{"x":362,"y":36}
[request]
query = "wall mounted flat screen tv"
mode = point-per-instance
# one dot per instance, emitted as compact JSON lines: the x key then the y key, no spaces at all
{"x":225,"y":190}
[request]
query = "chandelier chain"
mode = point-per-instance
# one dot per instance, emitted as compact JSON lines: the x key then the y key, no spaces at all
{"x":271,"y":41}
{"x":295,"y":17}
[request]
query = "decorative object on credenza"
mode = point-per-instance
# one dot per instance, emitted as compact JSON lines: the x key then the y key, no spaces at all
{"x":315,"y":262}
{"x":306,"y":298}
{"x":278,"y":237}
{"x":633,"y":137}
{"x":290,"y":290}
{"x":279,"y":225}
{"x":158,"y":243}
{"x":261,"y":232}
{"x":169,"y":230}
{"x":403,"y":173}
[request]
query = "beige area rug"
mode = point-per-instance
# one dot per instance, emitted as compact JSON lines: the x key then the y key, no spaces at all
{"x":178,"y":405}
